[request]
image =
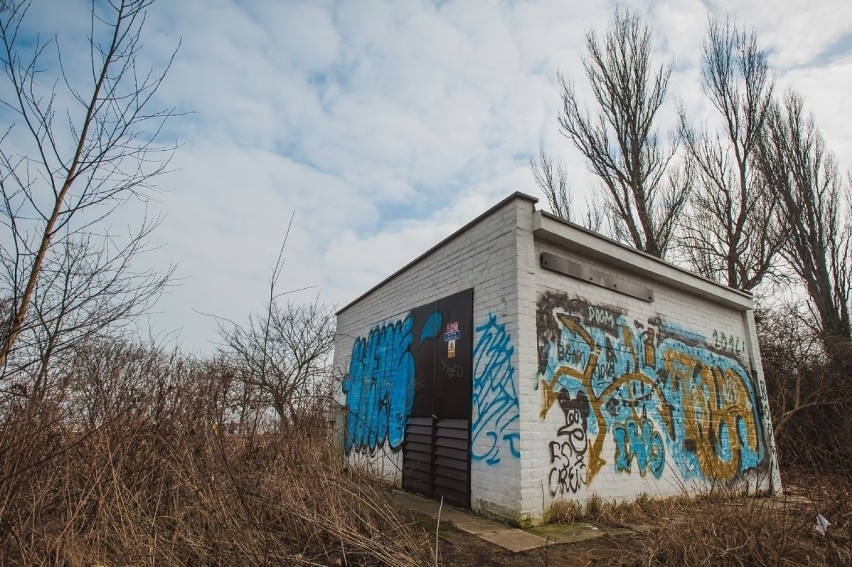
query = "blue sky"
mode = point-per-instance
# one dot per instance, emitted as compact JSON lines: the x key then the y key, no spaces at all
{"x":385,"y":126}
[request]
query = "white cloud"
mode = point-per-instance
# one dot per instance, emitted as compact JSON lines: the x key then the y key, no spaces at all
{"x":387,"y":125}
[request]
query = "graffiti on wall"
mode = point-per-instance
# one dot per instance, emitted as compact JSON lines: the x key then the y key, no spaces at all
{"x":727,"y":342}
{"x":495,"y":399}
{"x":379,"y":387}
{"x":664,"y":397}
{"x":638,"y":440}
{"x":380,"y":384}
{"x":568,"y":451}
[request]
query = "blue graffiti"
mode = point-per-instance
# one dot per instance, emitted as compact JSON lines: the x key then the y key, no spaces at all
{"x":640,"y":442}
{"x":380,"y":387}
{"x":431,"y":327}
{"x":495,"y":399}
{"x":698,"y":405}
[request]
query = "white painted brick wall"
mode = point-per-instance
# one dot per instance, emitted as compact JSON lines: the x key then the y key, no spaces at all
{"x":691,"y":312}
{"x":484,"y":258}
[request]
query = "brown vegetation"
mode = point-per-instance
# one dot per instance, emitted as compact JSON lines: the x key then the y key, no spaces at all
{"x":130,"y":464}
{"x":808,"y":391}
{"x":112,"y":452}
{"x":726,"y":528}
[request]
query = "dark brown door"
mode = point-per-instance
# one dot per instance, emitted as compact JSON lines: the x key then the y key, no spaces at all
{"x":436,"y":450}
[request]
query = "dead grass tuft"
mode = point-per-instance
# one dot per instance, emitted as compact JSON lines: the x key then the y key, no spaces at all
{"x":596,"y":510}
{"x":728,"y":528}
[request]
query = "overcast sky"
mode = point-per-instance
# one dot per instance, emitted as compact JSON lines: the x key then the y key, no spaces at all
{"x":385,"y":126}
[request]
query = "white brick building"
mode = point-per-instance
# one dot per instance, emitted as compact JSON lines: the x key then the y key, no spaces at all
{"x":525,"y":359}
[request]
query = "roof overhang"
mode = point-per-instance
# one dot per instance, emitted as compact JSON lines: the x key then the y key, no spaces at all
{"x":591,"y":244}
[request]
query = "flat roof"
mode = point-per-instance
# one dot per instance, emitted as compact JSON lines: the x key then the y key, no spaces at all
{"x":739,"y":298}
{"x":548,"y":227}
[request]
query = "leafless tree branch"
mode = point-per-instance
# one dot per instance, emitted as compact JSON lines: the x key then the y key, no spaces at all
{"x":619,"y":141}
{"x":733,"y":232}
{"x":815,"y":208}
{"x":65,"y":169}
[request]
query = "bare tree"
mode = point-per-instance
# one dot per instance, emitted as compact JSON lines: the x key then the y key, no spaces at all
{"x":281,"y":357}
{"x":552,"y":178}
{"x":81,"y":146}
{"x":732,"y":233}
{"x":619,"y":141}
{"x":797,"y":166}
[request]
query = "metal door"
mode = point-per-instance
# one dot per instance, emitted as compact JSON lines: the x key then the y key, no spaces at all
{"x":436,"y":449}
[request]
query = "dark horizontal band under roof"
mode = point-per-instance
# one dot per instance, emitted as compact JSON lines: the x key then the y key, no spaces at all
{"x":651,"y":257}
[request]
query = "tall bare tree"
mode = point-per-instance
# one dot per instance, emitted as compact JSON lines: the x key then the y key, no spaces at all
{"x":552,"y":178}
{"x":80,"y":145}
{"x":732,"y":233}
{"x":619,"y":141}
{"x":797,"y":166}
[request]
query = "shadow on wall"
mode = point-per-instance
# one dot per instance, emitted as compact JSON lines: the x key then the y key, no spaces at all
{"x":663,"y":394}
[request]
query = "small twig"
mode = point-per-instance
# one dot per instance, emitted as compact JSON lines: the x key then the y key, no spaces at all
{"x":437,"y":527}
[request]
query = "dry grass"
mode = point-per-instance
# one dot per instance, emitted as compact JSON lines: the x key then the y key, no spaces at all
{"x":752,"y":532}
{"x":141,"y":474}
{"x":726,"y":528}
{"x":596,"y":510}
{"x":122,"y":459}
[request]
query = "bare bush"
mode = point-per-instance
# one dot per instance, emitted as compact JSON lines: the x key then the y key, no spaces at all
{"x":281,"y":358}
{"x":811,"y":415}
{"x":131,"y":465}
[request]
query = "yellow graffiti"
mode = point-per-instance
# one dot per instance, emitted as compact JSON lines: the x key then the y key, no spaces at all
{"x":650,"y":349}
{"x":628,"y":342}
{"x":713,"y":399}
{"x":585,"y":378}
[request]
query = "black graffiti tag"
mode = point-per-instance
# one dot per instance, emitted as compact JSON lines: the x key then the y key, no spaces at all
{"x":568,"y":451}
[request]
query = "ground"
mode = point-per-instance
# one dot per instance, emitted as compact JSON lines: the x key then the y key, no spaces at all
{"x":457,"y":548}
{"x":720,"y":529}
